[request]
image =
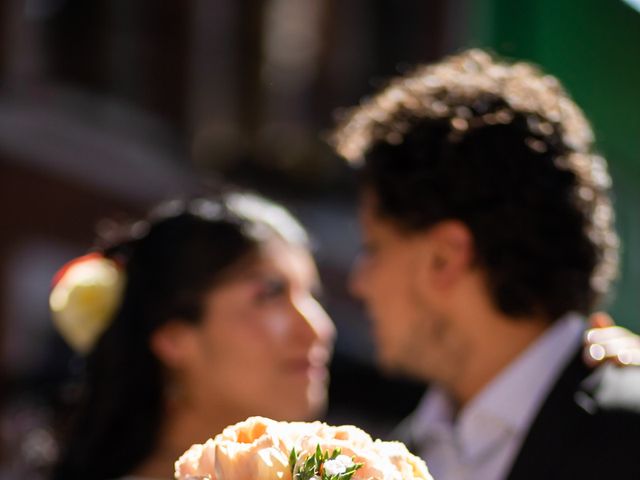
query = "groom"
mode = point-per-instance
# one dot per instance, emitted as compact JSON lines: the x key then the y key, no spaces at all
{"x":488,"y":234}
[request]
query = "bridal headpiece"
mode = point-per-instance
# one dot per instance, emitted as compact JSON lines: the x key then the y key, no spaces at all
{"x":86,"y":294}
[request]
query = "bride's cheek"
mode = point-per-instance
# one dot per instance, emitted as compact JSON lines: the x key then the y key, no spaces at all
{"x":276,"y":326}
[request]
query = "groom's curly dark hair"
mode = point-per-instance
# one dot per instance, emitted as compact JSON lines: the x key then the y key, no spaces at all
{"x":502,"y":148}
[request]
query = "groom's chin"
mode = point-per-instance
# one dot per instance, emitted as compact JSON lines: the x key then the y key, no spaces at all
{"x":399,"y":368}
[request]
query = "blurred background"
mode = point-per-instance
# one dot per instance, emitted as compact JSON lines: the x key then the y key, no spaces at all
{"x":107,"y":106}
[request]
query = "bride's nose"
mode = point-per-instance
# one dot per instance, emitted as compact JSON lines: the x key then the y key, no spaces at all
{"x":312,"y":323}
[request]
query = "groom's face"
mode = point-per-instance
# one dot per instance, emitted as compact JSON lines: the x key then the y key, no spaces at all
{"x":396,"y":281}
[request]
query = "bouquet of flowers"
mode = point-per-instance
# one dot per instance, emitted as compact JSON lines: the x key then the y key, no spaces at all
{"x":263,"y":449}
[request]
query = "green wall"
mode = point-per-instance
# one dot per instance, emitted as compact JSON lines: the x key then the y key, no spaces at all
{"x":593,"y":46}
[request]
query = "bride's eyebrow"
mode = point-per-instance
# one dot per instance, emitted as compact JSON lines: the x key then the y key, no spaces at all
{"x":257,"y":276}
{"x":248,"y":278}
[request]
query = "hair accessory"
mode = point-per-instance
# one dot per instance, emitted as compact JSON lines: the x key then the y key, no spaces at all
{"x":85,"y":295}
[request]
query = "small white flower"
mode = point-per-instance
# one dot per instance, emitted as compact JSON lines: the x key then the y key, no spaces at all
{"x":345,"y":460}
{"x":338,"y":465}
{"x":333,"y":467}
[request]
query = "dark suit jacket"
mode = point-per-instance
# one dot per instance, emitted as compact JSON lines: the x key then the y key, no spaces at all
{"x":588,"y":428}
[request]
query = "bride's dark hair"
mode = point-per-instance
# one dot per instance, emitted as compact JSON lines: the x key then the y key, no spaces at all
{"x":171,"y":260}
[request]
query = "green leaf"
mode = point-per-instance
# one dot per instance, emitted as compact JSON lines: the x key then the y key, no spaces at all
{"x":293,"y":459}
{"x":313,"y":464}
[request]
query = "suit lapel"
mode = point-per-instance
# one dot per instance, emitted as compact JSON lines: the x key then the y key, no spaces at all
{"x":557,"y":429}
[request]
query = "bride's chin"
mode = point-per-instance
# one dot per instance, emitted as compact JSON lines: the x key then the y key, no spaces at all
{"x":307,"y":406}
{"x":317,"y":401}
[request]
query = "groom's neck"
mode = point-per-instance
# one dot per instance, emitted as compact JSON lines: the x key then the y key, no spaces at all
{"x":491,"y":349}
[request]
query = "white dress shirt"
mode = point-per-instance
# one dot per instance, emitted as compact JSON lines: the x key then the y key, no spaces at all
{"x":485,"y":438}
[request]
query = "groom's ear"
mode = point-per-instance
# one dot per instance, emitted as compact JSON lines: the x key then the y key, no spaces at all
{"x":446,"y":254}
{"x":172,"y":343}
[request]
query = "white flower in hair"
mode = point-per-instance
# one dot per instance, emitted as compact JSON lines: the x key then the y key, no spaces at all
{"x":86,"y":293}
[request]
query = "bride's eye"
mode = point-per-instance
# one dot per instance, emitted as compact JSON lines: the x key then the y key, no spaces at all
{"x":271,"y":288}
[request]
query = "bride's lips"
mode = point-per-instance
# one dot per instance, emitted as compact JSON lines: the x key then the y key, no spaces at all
{"x":316,"y":369}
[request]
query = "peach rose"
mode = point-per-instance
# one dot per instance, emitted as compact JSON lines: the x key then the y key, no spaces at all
{"x":346,"y":434}
{"x":408,"y":465}
{"x":249,"y":450}
{"x":197,"y":461}
{"x":348,"y":438}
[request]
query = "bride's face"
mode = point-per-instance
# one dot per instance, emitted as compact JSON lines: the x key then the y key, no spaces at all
{"x":264,"y":342}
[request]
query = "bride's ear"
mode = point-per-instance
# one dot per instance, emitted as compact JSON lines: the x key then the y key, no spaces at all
{"x":172,"y":343}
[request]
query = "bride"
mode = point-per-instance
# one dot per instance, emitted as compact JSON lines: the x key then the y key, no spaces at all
{"x":217,"y":322}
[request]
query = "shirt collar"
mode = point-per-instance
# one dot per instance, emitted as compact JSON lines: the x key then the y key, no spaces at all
{"x":508,"y":404}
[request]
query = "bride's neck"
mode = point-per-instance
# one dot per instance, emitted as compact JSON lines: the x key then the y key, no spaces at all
{"x":182,"y":426}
